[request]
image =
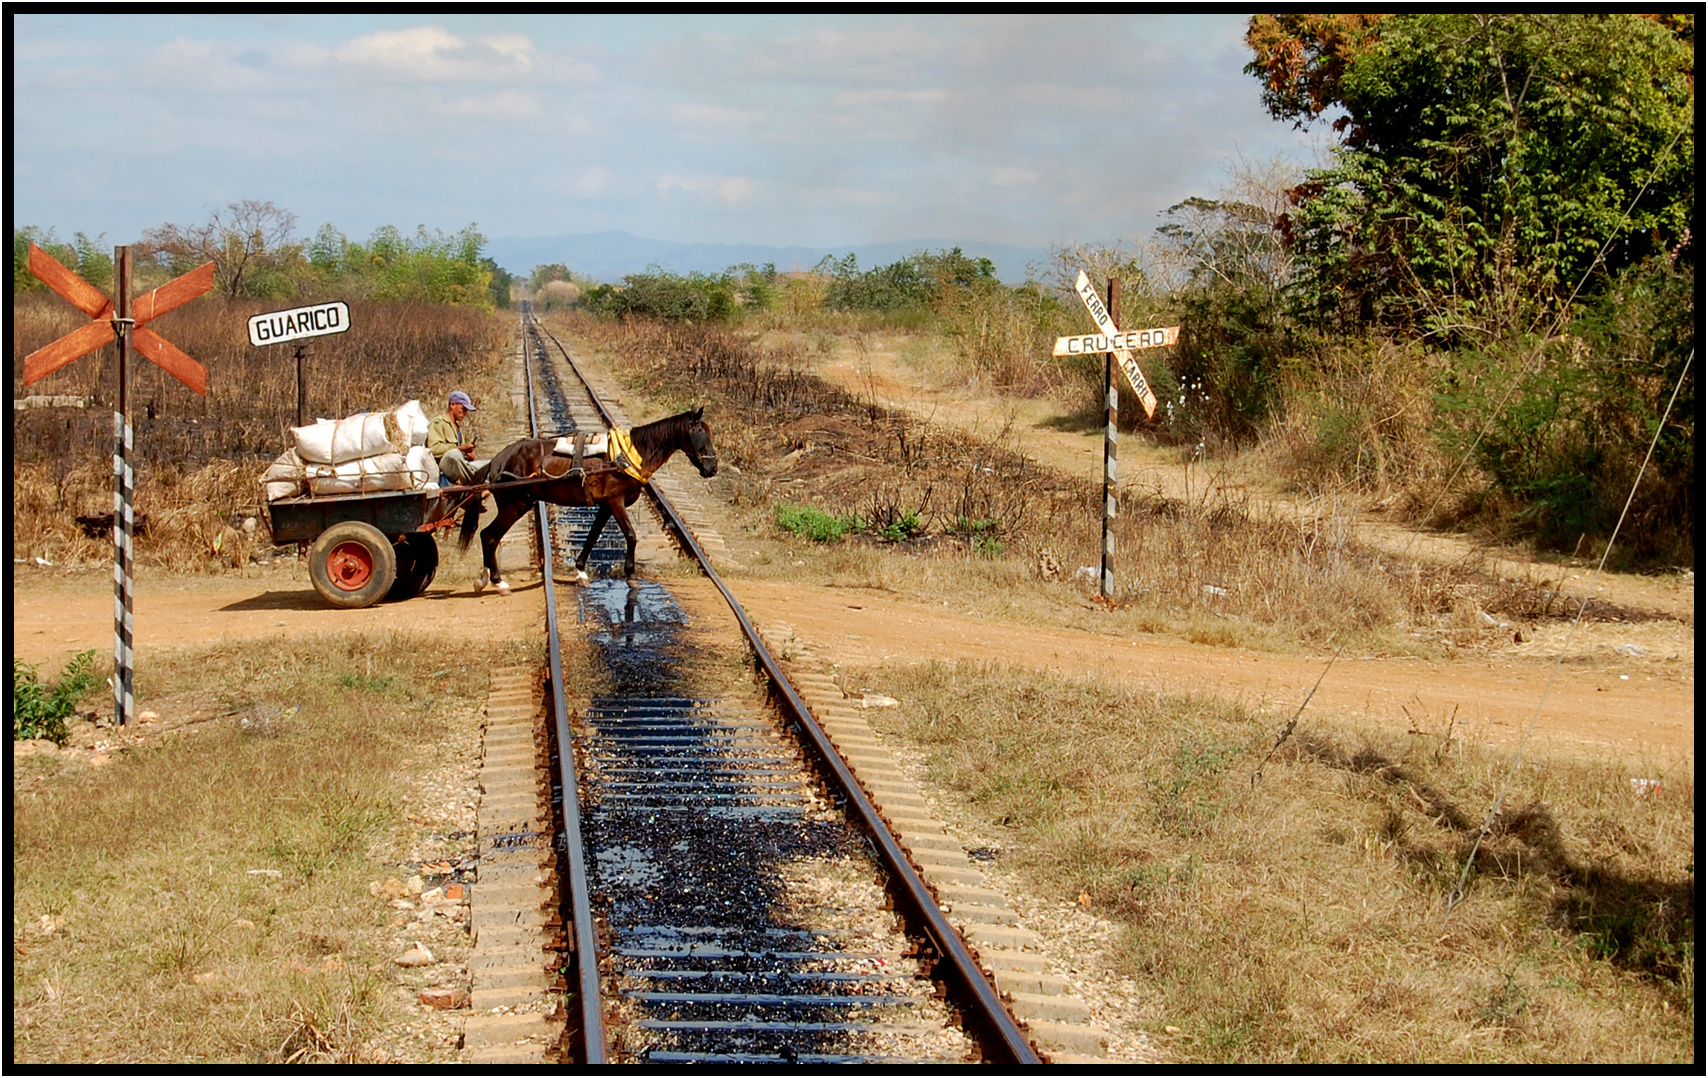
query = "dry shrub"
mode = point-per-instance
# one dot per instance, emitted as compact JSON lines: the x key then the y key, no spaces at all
{"x":196,"y":460}
{"x":392,"y":353}
{"x":1215,"y":558}
{"x":1007,"y":335}
{"x":194,"y":521}
{"x":1362,"y":416}
{"x":1209,"y":565}
{"x":1302,"y":916}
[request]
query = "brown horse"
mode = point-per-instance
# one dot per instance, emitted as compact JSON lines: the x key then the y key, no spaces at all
{"x":603,"y":482}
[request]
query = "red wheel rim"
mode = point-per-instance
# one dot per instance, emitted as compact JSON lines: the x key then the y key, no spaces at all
{"x":350,"y":566}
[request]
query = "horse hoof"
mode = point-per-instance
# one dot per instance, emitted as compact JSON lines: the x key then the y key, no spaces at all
{"x":504,"y":587}
{"x":580,"y":576}
{"x":482,"y":581}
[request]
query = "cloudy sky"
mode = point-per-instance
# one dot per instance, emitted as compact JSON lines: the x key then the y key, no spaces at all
{"x":813,"y":130}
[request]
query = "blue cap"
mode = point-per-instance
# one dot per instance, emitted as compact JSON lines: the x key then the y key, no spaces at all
{"x":459,"y":397}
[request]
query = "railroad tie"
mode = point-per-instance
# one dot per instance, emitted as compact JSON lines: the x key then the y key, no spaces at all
{"x":515,"y":1014}
{"x":1059,"y":1024}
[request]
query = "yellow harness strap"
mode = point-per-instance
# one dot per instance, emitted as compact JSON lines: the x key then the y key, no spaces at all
{"x":625,"y":456}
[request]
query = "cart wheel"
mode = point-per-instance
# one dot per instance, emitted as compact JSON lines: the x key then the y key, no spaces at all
{"x":352,"y":564}
{"x":417,"y":562}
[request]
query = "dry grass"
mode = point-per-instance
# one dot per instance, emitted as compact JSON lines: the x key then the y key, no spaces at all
{"x":205,"y":896}
{"x":194,"y":520}
{"x":198,"y":461}
{"x":1302,"y":917}
{"x":1364,"y":418}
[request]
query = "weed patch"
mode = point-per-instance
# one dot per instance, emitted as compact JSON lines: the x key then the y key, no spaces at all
{"x":815,"y":524}
{"x":40,"y":712}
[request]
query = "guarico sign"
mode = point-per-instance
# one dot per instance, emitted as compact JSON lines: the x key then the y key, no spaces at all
{"x":299,"y":322}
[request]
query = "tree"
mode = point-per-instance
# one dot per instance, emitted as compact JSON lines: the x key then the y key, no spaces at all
{"x":250,"y":244}
{"x":1228,"y":264}
{"x":1487,"y":163}
{"x":90,"y":259}
{"x":545,"y":274}
{"x":501,"y":282}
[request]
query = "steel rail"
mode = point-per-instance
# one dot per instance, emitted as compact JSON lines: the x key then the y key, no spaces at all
{"x":1001,"y":1038}
{"x":586,"y":943}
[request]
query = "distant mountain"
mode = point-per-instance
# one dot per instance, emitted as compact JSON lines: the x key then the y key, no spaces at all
{"x":609,"y":256}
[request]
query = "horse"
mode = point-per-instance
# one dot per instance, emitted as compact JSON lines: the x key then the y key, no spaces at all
{"x":604,"y":482}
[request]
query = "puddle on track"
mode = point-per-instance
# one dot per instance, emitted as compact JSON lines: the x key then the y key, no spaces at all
{"x":742,"y":916}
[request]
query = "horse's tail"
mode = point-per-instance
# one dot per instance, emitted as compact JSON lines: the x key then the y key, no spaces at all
{"x":471,"y":512}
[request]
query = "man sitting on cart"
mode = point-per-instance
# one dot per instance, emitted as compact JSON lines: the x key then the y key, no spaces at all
{"x":445,"y":440}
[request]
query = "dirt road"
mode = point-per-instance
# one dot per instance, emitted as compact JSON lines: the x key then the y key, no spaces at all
{"x":1638,"y":707}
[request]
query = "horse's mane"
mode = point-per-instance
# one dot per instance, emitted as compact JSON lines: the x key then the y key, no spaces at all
{"x":650,"y":438}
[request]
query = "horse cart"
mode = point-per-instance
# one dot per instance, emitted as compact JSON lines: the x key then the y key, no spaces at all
{"x":366,"y":547}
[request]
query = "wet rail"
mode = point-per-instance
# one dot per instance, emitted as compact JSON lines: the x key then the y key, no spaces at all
{"x":749,"y":903}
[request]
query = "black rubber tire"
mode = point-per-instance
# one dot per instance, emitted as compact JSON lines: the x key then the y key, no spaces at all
{"x":352,"y":564}
{"x":417,"y":563}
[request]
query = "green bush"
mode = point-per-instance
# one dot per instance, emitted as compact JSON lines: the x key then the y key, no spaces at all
{"x":981,"y":535}
{"x":1564,"y":450}
{"x":815,"y":524}
{"x":698,"y":297}
{"x":1233,"y":349}
{"x":39,"y":712}
{"x":906,"y":526}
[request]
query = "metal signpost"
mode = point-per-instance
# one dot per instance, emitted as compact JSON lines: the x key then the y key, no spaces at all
{"x":299,"y":324}
{"x":1117,"y":348}
{"x":125,"y":323}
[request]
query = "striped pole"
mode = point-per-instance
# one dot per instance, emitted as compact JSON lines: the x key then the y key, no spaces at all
{"x":124,"y":702}
{"x":1111,"y":407}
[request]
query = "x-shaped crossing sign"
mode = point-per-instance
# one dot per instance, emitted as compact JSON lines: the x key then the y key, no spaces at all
{"x":143,"y":309}
{"x":1112,"y":340}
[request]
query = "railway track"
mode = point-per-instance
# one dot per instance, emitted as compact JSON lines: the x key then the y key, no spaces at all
{"x":730,"y":892}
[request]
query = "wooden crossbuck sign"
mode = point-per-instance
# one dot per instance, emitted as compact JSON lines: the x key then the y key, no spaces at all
{"x":124,"y":322}
{"x":144,"y":309}
{"x":1118,"y":349}
{"x":1113,"y":340}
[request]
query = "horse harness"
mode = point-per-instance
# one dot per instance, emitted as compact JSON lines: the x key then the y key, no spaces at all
{"x":618,"y":448}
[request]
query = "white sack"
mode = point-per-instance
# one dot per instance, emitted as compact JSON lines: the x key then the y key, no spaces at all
{"x":284,"y":477}
{"x":338,"y":442}
{"x":414,"y":422}
{"x":423,"y":469}
{"x":388,"y":471}
{"x":597,"y":444}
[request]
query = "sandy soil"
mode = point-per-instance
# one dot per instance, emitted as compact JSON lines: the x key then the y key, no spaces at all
{"x":59,"y":612}
{"x":1638,"y":706}
{"x":1641,"y":709}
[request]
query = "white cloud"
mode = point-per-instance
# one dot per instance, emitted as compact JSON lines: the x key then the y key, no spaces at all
{"x":844,"y":196}
{"x":726,"y":190}
{"x":434,"y":54}
{"x":705,"y":119}
{"x":503,"y":105}
{"x":594,"y":181}
{"x":889,"y":97}
{"x":1013,"y":177}
{"x":847,"y":126}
